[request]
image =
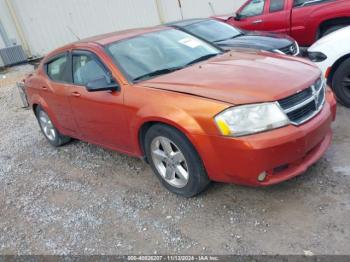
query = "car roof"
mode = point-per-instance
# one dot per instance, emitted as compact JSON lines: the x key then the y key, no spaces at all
{"x":187,"y":22}
{"x":108,"y":38}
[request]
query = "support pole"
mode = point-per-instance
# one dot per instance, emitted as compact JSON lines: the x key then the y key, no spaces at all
{"x":160,"y":11}
{"x":18,"y":26}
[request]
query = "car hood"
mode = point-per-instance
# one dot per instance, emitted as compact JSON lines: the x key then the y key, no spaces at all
{"x":258,"y":40}
{"x":333,"y":39}
{"x":241,"y":77}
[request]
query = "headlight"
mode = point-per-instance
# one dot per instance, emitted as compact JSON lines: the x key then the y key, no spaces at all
{"x":250,"y":119}
{"x":317,"y":56}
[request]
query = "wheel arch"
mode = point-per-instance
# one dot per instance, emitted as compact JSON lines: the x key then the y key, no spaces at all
{"x":325,"y":24}
{"x":39,"y":101}
{"x":147,"y":124}
{"x":334,"y":68}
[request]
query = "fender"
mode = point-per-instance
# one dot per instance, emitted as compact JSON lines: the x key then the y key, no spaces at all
{"x":36,"y":99}
{"x":319,"y":16}
{"x":170,"y":115}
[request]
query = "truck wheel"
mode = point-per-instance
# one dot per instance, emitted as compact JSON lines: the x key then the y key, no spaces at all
{"x":341,"y":83}
{"x":175,"y":161}
{"x":49,"y":130}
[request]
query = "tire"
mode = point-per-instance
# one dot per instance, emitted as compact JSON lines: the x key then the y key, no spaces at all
{"x":175,"y":161}
{"x":341,"y":83}
{"x":49,"y":130}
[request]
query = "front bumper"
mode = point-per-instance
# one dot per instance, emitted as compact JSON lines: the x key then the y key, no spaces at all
{"x":282,"y":153}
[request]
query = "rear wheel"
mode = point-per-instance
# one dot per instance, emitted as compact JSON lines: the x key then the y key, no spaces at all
{"x":175,"y":161}
{"x":341,"y":83}
{"x":49,"y":130}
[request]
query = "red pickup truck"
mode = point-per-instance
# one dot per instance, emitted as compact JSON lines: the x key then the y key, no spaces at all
{"x":304,"y":20}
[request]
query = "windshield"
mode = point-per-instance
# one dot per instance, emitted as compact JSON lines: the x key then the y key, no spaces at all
{"x":213,"y":31}
{"x":157,"y":53}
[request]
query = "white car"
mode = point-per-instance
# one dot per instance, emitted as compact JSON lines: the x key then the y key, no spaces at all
{"x":332,"y":55}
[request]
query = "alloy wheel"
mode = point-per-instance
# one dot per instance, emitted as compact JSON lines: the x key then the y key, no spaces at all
{"x":170,"y":162}
{"x":47,"y":126}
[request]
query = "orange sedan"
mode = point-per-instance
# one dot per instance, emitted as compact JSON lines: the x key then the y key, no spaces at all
{"x":194,"y":113}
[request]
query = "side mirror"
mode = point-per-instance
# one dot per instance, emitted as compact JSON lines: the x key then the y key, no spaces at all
{"x":237,"y":16}
{"x":102,"y":84}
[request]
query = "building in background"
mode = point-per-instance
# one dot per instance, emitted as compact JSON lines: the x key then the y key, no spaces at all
{"x":40,"y":26}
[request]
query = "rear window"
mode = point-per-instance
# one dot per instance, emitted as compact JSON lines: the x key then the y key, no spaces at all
{"x":213,"y":31}
{"x":57,"y":69}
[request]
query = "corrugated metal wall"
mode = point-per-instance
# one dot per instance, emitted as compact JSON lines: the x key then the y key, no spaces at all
{"x":7,"y":24}
{"x":48,"y":24}
{"x":198,"y":8}
{"x":2,"y":43}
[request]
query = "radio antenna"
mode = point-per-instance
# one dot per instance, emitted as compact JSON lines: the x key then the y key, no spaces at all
{"x":211,"y":5}
{"x":71,"y":30}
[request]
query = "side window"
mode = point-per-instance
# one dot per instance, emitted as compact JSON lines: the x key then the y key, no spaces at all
{"x":299,"y":2}
{"x":276,"y":5}
{"x":86,"y":69}
{"x":254,"y":8}
{"x":57,"y":69}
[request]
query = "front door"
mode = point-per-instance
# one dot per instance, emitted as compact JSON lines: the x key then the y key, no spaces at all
{"x":251,"y":16}
{"x":277,"y":17}
{"x":100,"y":115}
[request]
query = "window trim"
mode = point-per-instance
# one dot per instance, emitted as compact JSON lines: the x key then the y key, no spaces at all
{"x":68,"y":67}
{"x":94,"y":56}
{"x":280,"y":10}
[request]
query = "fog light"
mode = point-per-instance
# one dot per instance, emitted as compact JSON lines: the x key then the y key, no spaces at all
{"x":262,"y":177}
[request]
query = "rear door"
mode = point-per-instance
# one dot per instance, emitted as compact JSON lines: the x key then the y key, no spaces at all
{"x":277,"y":17}
{"x":252,"y":15}
{"x":53,"y":90}
{"x":100,"y":116}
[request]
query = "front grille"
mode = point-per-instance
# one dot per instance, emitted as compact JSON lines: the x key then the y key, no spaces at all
{"x":292,"y":49}
{"x":296,"y":99}
{"x":304,"y":105}
{"x":302,"y":113}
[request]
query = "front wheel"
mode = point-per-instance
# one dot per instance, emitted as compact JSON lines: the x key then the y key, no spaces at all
{"x":341,"y":83}
{"x":49,"y":130}
{"x":175,"y":161}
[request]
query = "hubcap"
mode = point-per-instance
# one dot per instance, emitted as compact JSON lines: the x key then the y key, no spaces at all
{"x":169,"y":162}
{"x":47,"y":126}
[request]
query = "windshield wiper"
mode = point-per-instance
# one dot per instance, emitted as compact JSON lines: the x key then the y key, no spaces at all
{"x":172,"y":69}
{"x":233,"y":37}
{"x":202,"y":58}
{"x":157,"y":73}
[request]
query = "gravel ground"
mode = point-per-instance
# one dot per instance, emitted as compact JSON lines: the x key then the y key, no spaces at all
{"x":82,"y":199}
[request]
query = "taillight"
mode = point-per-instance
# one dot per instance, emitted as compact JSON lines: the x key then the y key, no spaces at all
{"x":328,"y":72}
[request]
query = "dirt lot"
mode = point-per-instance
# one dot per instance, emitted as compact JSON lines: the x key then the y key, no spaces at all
{"x":81,"y":199}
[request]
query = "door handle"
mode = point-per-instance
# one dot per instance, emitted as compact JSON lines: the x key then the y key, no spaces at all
{"x":44,"y":88}
{"x":76,"y":94}
{"x":257,"y":21}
